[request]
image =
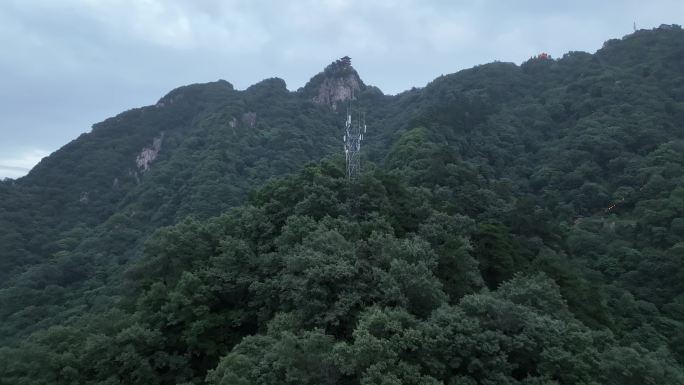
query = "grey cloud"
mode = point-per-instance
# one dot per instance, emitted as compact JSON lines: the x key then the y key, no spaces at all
{"x":13,"y":168}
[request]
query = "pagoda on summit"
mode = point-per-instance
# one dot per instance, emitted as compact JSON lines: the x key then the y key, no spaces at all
{"x":345,"y":61}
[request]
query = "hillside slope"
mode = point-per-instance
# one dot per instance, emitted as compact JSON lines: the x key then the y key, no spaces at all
{"x":514,"y":224}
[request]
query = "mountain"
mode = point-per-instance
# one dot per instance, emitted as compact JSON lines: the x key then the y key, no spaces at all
{"x":512,"y":224}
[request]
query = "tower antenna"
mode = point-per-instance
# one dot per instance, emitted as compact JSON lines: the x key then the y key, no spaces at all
{"x":353,"y":136}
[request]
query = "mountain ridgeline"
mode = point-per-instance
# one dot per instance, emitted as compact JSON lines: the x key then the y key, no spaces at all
{"x":512,"y":225}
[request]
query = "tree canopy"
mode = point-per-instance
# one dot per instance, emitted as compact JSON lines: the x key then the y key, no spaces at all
{"x":512,"y":225}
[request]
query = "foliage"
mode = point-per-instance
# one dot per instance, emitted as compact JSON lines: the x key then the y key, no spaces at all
{"x":518,"y":225}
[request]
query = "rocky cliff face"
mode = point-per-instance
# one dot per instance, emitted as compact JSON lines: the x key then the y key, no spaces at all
{"x":337,"y":83}
{"x":149,"y":154}
{"x":337,"y":89}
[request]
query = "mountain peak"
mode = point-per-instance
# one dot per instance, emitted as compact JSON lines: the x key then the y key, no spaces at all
{"x":338,"y":82}
{"x":339,"y":67}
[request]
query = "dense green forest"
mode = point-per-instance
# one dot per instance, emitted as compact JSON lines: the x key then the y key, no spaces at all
{"x":512,"y":225}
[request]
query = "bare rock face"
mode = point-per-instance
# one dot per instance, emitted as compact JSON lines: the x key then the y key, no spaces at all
{"x":337,"y":89}
{"x":149,"y":154}
{"x":249,"y":119}
{"x":338,"y":83}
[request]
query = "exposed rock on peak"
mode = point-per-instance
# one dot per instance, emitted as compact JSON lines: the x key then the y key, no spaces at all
{"x":338,"y":89}
{"x":337,"y":83}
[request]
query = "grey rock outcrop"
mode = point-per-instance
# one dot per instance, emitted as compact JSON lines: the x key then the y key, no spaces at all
{"x":337,"y":89}
{"x":339,"y":82}
{"x":149,"y":154}
{"x":249,"y":119}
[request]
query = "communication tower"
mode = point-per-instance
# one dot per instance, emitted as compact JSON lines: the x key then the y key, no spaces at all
{"x":354,"y":129}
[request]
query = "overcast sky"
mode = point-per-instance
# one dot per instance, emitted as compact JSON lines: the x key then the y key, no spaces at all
{"x":67,"y":64}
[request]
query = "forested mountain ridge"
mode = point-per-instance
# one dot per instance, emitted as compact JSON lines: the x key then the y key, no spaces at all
{"x":521,"y":224}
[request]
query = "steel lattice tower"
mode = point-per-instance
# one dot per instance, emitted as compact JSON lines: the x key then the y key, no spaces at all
{"x":353,"y":136}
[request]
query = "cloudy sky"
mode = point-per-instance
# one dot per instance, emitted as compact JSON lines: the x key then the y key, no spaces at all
{"x":67,"y":64}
